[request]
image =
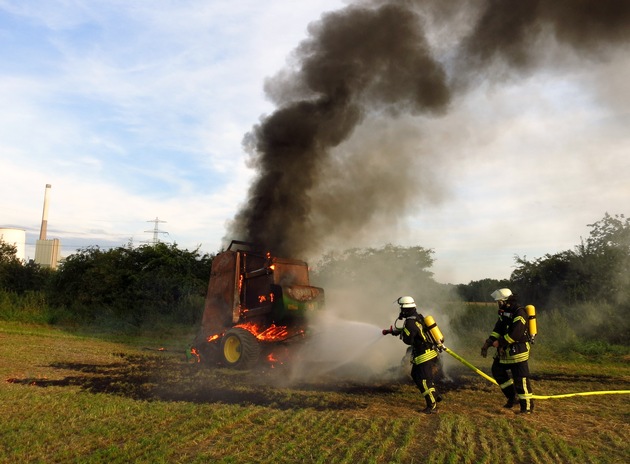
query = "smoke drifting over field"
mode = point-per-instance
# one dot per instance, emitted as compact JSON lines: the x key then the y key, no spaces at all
{"x":351,"y":150}
{"x":342,"y":157}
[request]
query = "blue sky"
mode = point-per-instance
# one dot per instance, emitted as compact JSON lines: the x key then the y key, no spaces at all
{"x":136,"y":110}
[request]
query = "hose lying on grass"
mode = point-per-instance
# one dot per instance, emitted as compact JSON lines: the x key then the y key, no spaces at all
{"x":538,"y":397}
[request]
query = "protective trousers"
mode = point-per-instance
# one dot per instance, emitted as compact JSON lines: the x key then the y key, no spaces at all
{"x":422,"y":375}
{"x":518,"y":387}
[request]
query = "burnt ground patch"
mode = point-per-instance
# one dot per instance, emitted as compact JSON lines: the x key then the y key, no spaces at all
{"x":166,"y":377}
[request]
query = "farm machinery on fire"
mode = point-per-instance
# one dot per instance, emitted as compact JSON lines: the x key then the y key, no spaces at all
{"x":256,"y":308}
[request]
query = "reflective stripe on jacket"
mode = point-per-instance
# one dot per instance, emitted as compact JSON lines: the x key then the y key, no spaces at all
{"x":511,"y":333}
{"x":414,"y":334}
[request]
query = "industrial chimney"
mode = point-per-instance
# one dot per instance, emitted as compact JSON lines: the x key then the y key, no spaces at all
{"x":46,"y":251}
{"x":42,"y":231}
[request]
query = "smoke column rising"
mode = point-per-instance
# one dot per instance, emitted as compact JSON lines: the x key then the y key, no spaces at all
{"x":365,"y":67}
{"x":356,"y":59}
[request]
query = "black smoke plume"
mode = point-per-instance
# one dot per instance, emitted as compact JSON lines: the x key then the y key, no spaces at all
{"x":331,"y":168}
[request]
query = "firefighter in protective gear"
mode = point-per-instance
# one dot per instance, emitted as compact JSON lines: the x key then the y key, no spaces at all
{"x":510,"y":338}
{"x":424,"y":354}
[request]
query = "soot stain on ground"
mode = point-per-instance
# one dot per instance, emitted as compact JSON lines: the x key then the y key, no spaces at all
{"x":167,"y":377}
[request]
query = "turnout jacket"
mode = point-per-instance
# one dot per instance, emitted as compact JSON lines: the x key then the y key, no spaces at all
{"x":414,"y":333}
{"x":511,"y":333}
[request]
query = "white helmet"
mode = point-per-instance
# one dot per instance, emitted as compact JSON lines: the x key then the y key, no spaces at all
{"x":406,"y":302}
{"x":501,"y":294}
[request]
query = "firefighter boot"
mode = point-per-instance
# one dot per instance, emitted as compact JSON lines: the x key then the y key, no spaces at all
{"x":527,"y":406}
{"x":510,"y":394}
{"x":431,"y":407}
{"x":510,"y":403}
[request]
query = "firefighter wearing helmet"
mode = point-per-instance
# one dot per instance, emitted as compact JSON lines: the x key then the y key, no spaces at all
{"x":424,"y":354}
{"x":510,"y":337}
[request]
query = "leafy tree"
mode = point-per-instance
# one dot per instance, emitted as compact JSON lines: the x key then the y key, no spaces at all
{"x":363,"y":283}
{"x":135,"y":284}
{"x":610,"y":232}
{"x":359,"y":265}
{"x":18,"y":277}
{"x":606,"y":255}
{"x":480,"y":290}
{"x":8,"y":263}
{"x":597,"y":270}
{"x":8,"y":252}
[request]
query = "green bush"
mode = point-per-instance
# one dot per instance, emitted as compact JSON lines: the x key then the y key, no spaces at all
{"x":135,"y":285}
{"x":598,"y":348}
{"x":29,"y":307}
{"x":472,"y":320}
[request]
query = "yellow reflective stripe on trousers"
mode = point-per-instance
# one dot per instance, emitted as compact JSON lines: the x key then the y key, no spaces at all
{"x":428,"y":392}
{"x":506,"y":384}
{"x":429,"y":354}
{"x":527,"y":396}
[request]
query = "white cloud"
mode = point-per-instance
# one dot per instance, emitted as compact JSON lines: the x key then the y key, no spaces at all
{"x":137,"y":110}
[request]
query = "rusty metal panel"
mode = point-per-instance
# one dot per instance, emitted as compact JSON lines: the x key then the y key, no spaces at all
{"x":222,"y":293}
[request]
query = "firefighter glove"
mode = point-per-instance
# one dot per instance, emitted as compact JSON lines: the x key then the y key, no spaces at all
{"x":484,"y":350}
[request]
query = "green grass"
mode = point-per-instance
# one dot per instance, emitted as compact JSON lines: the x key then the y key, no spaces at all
{"x":82,"y":397}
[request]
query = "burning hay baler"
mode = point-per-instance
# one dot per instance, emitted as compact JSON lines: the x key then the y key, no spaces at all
{"x":256,"y":303}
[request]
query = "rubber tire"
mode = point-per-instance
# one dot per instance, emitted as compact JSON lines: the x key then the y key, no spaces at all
{"x":208,"y":353}
{"x":239,"y":349}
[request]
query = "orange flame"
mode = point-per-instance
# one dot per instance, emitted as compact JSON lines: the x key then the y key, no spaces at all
{"x":271,"y":333}
{"x":272,"y":359}
{"x":195,"y":353}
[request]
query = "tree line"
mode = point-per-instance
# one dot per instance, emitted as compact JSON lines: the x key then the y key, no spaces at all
{"x":136,"y":285}
{"x":161,"y":281}
{"x":597,"y":269}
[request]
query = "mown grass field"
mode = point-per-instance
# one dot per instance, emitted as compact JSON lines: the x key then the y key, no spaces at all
{"x":66,"y":397}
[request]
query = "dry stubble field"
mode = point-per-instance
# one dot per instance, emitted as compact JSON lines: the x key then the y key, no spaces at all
{"x":66,"y":397}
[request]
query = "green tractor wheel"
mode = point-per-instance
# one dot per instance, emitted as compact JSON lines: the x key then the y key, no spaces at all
{"x":240,"y":349}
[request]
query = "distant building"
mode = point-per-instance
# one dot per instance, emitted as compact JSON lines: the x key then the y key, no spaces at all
{"x":47,"y":252}
{"x":17,"y":238}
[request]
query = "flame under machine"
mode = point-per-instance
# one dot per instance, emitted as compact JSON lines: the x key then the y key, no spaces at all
{"x":256,"y":307}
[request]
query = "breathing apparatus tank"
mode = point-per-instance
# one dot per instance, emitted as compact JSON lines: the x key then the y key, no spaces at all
{"x":531,"y":322}
{"x":434,"y":331}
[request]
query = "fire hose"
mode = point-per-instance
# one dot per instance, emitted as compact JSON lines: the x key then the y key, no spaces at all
{"x":538,"y":397}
